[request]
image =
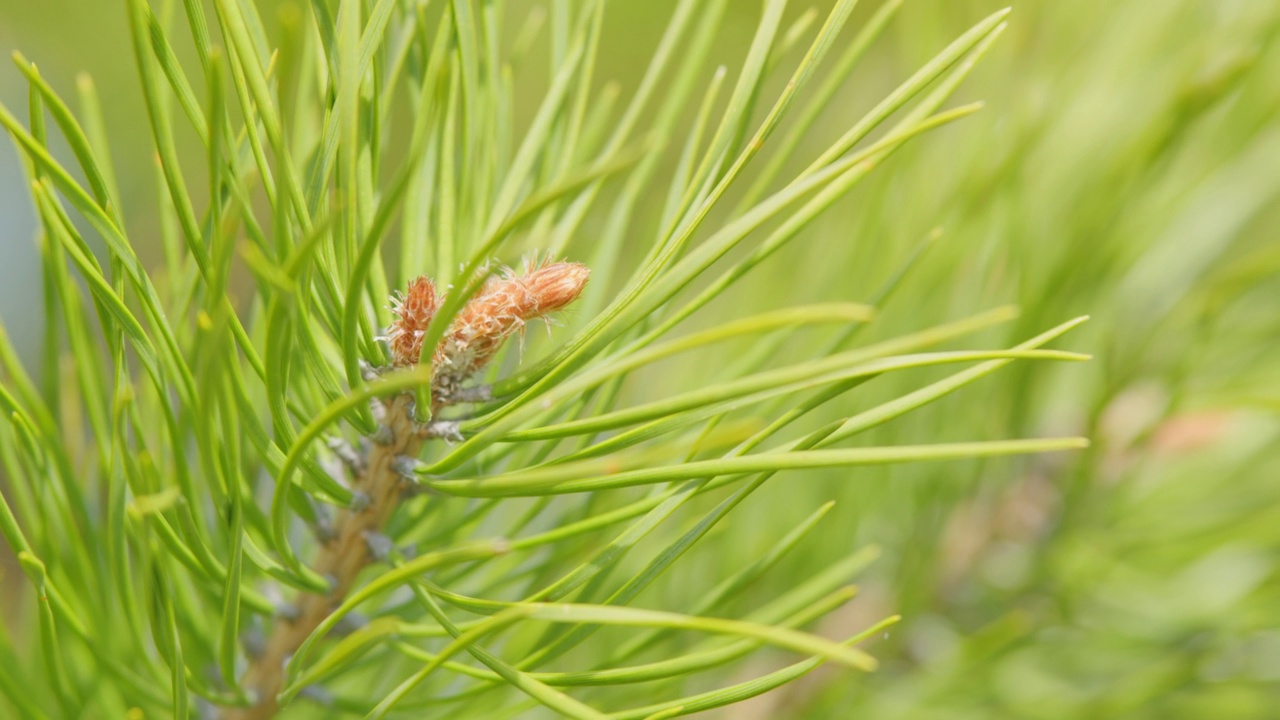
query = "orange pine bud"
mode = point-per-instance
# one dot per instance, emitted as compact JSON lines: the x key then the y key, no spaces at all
{"x":414,"y":311}
{"x":500,"y":309}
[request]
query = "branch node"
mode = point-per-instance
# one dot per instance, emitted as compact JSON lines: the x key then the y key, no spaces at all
{"x":347,"y":453}
{"x":368,"y":371}
{"x":447,"y":430}
{"x":360,"y":501}
{"x":404,"y":466}
{"x":380,"y":546}
{"x":384,"y":435}
{"x":287,"y":612}
{"x":473,"y":394}
{"x":379,"y":410}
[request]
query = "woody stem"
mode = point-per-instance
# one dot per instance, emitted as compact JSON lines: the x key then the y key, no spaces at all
{"x":341,"y":558}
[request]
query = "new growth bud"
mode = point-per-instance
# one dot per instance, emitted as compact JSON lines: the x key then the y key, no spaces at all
{"x":413,"y":312}
{"x":499,"y":310}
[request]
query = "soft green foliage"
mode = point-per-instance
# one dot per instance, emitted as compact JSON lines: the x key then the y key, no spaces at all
{"x":789,"y":304}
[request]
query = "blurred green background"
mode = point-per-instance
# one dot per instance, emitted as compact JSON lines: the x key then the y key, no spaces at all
{"x":1127,"y":166}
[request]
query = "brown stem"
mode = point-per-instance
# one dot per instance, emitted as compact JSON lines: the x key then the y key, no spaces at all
{"x":341,"y":559}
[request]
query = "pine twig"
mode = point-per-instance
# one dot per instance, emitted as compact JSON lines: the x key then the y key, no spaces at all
{"x":497,"y":312}
{"x":340,"y":559}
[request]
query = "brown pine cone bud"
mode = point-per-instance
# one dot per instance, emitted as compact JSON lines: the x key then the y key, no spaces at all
{"x":499,"y":310}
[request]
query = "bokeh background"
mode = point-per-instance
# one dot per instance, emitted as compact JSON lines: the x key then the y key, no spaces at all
{"x":1127,"y":166}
